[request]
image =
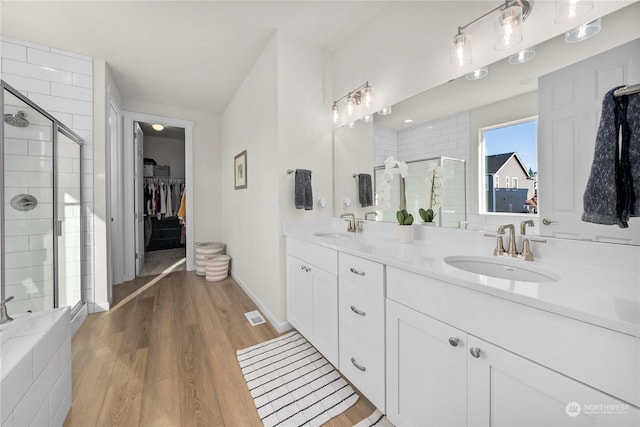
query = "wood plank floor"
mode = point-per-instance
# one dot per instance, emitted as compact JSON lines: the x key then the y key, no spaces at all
{"x":167,"y":357}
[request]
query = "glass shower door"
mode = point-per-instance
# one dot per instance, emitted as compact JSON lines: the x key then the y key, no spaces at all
{"x":68,"y":227}
{"x":28,"y":248}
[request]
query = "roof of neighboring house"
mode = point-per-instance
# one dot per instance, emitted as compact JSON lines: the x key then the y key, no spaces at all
{"x":495,"y":162}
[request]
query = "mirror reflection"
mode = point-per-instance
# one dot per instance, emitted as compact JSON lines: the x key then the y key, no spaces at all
{"x":455,"y":121}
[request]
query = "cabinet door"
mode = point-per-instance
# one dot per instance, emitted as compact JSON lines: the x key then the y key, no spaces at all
{"x":300,"y":296}
{"x":426,"y":370}
{"x":508,"y":390}
{"x":325,"y":313}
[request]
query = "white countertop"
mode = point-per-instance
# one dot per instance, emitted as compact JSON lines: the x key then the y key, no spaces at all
{"x":604,"y":296}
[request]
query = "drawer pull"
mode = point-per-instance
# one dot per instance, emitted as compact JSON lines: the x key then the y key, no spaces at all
{"x":357,"y":365}
{"x":354,"y":271}
{"x":454,"y":341}
{"x":358,"y":312}
{"x":475,"y":352}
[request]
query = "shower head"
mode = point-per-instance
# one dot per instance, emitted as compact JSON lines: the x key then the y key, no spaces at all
{"x":18,"y":119}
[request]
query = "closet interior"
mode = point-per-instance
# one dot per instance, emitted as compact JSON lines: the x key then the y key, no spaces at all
{"x":164,"y":203}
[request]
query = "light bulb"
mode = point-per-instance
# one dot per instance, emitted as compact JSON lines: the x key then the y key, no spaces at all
{"x":509,"y":27}
{"x":157,"y":126}
{"x":336,"y":116}
{"x":367,"y":96}
{"x":460,"y":50}
{"x":350,"y":105}
{"x":570,"y":10}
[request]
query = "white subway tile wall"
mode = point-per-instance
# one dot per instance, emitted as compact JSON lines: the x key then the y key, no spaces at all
{"x":61,"y":83}
{"x":448,"y":137}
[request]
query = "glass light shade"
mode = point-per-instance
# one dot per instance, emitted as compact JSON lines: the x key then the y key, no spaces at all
{"x":570,"y":10}
{"x":583,"y":32}
{"x":478,"y":74}
{"x":157,"y":126}
{"x":385,"y":111}
{"x":351,"y":105}
{"x":336,"y":115}
{"x":367,"y":96}
{"x":509,"y":27}
{"x":523,"y":56}
{"x":460,"y":50}
{"x":368,"y":118}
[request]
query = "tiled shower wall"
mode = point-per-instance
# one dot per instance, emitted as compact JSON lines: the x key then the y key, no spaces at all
{"x":61,"y":83}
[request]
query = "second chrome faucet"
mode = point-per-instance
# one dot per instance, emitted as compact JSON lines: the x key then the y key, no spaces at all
{"x":512,"y":247}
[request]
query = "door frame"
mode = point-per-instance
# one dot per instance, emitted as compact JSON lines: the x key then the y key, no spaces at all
{"x":129,"y":194}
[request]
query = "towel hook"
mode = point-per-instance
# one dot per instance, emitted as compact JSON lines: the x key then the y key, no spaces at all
{"x":290,"y":171}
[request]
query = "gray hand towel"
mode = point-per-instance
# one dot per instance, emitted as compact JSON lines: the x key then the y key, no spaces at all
{"x":365,"y":190}
{"x":303,"y":193}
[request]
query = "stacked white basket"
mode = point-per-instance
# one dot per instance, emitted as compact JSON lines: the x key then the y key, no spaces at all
{"x":203,"y":250}
{"x":217,"y":267}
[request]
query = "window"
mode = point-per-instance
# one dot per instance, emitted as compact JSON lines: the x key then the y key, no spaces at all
{"x":510,"y":150}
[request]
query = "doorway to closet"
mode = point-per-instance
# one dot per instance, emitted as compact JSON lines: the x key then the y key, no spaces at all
{"x":162,"y":200}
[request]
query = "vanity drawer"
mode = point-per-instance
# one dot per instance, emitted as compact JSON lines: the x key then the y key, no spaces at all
{"x":601,"y":358}
{"x":362,"y":340}
{"x":324,"y":258}
{"x":368,"y":274}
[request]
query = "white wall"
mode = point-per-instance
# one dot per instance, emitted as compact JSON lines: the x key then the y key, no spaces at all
{"x":166,"y":151}
{"x":60,"y":82}
{"x":283,"y":96}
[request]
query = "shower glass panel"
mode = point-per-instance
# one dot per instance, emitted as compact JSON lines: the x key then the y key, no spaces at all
{"x":40,"y":219}
{"x":28,"y":206}
{"x":69,"y":259}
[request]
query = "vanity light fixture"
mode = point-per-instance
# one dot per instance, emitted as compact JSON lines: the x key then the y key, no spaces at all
{"x":478,"y":74}
{"x":508,"y":22}
{"x":157,"y":126}
{"x":583,"y":32}
{"x":523,"y":56}
{"x":570,"y":10}
{"x":353,"y":100}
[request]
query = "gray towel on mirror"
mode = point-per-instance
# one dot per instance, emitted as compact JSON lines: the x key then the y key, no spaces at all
{"x":365,"y":190}
{"x":303,"y":193}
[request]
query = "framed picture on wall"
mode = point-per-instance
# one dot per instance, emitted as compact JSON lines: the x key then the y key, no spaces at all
{"x":240,"y":170}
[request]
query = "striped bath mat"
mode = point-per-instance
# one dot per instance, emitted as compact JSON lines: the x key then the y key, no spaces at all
{"x":377,"y":419}
{"x":292,"y":384}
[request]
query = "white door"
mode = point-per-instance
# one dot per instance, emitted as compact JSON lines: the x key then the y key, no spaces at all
{"x":506,"y":390}
{"x":117,"y":200}
{"x":426,"y":370}
{"x":570,"y":102}
{"x":138,"y":176}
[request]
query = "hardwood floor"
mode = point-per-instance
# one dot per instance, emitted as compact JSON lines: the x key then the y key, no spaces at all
{"x":167,"y":357}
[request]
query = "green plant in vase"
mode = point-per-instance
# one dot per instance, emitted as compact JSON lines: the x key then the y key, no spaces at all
{"x":404,"y":217}
{"x":427,"y":215}
{"x":434,"y":182}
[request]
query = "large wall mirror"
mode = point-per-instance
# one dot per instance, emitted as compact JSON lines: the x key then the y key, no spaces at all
{"x":556,"y":97}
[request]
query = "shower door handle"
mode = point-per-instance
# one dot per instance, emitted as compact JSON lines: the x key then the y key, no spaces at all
{"x":59,"y":228}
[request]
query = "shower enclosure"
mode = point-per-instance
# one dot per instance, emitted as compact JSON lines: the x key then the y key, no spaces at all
{"x":40,"y":219}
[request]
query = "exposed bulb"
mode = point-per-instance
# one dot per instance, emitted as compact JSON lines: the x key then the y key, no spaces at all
{"x":350,"y":105}
{"x":336,"y":116}
{"x":367,"y":96}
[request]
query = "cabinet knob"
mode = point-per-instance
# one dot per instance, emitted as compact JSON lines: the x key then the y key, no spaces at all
{"x":547,"y":221}
{"x":357,"y":365}
{"x":358,"y":312}
{"x":358,"y":272}
{"x":454,"y":341}
{"x":475,"y":352}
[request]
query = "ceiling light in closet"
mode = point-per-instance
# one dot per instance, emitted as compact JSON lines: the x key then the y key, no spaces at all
{"x":157,"y":126}
{"x":583,"y":32}
{"x":407,"y":121}
{"x":523,"y":56}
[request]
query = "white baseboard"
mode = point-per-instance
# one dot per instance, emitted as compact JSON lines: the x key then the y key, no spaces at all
{"x":97,"y":307}
{"x":280,"y":327}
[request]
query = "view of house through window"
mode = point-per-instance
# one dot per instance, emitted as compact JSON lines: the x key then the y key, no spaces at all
{"x":510,"y":167}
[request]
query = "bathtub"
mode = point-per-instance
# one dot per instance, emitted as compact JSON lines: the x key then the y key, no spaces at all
{"x":35,"y":365}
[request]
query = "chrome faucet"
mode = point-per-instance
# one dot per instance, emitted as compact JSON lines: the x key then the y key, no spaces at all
{"x":4,"y":316}
{"x":512,"y":249}
{"x":524,"y":224}
{"x":351,"y":228}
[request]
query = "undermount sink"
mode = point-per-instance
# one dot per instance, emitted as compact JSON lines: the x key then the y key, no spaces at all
{"x":521,"y":271}
{"x":332,"y":235}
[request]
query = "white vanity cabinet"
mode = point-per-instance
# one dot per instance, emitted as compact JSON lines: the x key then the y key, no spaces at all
{"x":312,"y":295}
{"x":439,"y":373}
{"x":361,"y":325}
